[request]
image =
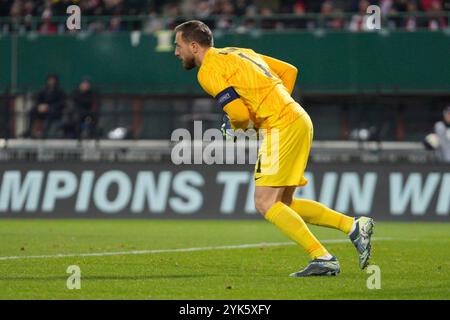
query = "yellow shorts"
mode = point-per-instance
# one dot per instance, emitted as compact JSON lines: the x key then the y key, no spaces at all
{"x":283,"y":155}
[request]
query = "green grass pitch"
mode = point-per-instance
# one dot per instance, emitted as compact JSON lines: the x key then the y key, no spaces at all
{"x":413,"y":259}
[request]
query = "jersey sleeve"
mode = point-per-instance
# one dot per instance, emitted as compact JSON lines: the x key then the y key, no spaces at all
{"x":212,"y":82}
{"x":238,"y":113}
{"x":285,"y":71}
{"x":216,"y":85}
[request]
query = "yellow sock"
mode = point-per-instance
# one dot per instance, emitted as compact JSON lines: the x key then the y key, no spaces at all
{"x":316,"y":213}
{"x":295,"y":228}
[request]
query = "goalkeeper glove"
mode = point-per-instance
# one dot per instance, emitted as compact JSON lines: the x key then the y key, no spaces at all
{"x":227,"y":130}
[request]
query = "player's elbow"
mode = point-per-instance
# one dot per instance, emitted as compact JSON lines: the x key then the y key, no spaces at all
{"x":293,"y":71}
{"x":293,"y":68}
{"x":289,"y":78}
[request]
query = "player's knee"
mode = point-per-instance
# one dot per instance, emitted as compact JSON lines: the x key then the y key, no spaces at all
{"x":263,"y":204}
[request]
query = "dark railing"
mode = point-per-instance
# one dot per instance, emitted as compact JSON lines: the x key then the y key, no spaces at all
{"x":408,"y":118}
{"x":338,"y":21}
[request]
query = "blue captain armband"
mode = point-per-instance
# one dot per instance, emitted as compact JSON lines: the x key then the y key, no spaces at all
{"x":226,"y":96}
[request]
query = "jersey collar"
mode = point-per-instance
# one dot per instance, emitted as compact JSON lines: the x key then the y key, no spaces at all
{"x":208,"y":53}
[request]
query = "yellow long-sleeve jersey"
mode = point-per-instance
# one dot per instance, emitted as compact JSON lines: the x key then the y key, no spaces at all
{"x":262,"y":83}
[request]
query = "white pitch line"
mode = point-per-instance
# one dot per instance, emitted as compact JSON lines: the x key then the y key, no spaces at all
{"x":154,"y":251}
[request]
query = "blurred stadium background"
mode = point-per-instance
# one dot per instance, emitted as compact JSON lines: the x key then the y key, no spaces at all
{"x":113,"y":92}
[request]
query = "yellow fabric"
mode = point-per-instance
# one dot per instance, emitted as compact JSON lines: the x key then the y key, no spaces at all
{"x":283,"y":155}
{"x":288,"y":221}
{"x":238,"y":113}
{"x":316,"y":213}
{"x":268,"y":100}
{"x":285,"y":71}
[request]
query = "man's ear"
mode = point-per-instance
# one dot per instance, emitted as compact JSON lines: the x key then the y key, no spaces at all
{"x":194,"y":46}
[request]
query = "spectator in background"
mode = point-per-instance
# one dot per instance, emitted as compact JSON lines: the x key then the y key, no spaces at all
{"x":80,"y":120}
{"x":299,"y":10}
{"x":47,"y":26}
{"x":167,"y":14}
{"x":115,"y":24}
{"x":241,"y":7}
{"x":28,"y":12}
{"x":386,"y":6}
{"x":172,"y":13}
{"x":92,"y":7}
{"x":49,"y":106}
{"x":189,"y":7}
{"x":439,"y":140}
{"x":203,"y":9}
{"x":327,"y":8}
{"x":332,"y":19}
{"x":401,"y":5}
{"x":426,"y":4}
{"x":358,"y":22}
{"x":412,"y":22}
{"x":267,"y":22}
{"x":15,"y":12}
{"x":226,"y":9}
{"x":153,"y":23}
{"x":442,"y":131}
{"x":437,"y":18}
{"x":113,"y":7}
{"x":299,"y":7}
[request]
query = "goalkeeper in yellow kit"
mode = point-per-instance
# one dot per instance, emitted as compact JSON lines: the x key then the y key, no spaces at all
{"x":251,"y":87}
